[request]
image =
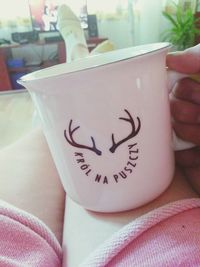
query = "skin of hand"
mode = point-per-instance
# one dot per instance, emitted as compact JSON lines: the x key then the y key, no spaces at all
{"x":185,"y":109}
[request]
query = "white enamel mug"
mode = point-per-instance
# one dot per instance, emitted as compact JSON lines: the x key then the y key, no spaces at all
{"x":107,"y":122}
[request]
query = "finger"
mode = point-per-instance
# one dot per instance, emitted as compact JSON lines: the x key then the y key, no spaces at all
{"x":188,"y":132}
{"x":184,"y":111}
{"x":188,"y":158}
{"x":187,"y":61}
{"x":187,"y":89}
{"x":193,"y":176}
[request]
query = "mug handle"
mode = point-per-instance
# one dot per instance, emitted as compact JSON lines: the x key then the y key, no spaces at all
{"x":172,"y":78}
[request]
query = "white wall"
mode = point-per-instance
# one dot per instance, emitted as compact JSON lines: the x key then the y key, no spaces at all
{"x":118,"y":31}
{"x":149,"y":21}
{"x":144,"y":24}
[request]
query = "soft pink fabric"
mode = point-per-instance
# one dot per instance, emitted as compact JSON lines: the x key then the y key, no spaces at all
{"x":166,"y":237}
{"x":25,"y":241}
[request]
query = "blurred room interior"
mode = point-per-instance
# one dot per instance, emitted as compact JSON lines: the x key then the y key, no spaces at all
{"x":28,"y":44}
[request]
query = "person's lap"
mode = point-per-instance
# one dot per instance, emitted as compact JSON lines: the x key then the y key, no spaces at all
{"x":29,"y":180}
{"x":84,"y":231}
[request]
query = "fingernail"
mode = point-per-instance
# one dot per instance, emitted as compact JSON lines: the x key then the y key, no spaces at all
{"x":195,"y":77}
{"x":176,"y":53}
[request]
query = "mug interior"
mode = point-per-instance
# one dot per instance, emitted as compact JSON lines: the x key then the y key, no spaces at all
{"x":96,"y":61}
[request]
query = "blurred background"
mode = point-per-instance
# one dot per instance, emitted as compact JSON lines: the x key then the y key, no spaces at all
{"x":30,"y":40}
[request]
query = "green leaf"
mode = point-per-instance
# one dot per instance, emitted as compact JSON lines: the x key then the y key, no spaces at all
{"x":170,"y":18}
{"x":184,"y":28}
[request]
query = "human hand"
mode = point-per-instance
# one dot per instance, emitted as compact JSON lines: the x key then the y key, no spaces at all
{"x":185,"y":109}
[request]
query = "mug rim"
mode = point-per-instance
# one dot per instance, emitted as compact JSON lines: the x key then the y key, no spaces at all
{"x":95,"y":61}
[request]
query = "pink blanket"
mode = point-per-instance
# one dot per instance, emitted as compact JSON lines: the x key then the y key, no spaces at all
{"x":168,"y":236}
{"x":25,"y":241}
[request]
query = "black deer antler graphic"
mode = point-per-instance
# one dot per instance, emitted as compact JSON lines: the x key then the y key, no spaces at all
{"x":131,"y":135}
{"x":71,"y":141}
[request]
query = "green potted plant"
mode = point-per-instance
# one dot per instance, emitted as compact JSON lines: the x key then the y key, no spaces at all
{"x":184,"y":27}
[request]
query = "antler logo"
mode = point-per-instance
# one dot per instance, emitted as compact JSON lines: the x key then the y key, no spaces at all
{"x":97,"y":175}
{"x":71,"y":141}
{"x":133,"y":133}
{"x":115,"y":144}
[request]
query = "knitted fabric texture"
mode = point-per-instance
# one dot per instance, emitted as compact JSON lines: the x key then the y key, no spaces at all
{"x":165,"y":237}
{"x":25,"y":240}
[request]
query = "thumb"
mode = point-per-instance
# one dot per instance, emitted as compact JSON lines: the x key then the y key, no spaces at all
{"x":187,"y":61}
